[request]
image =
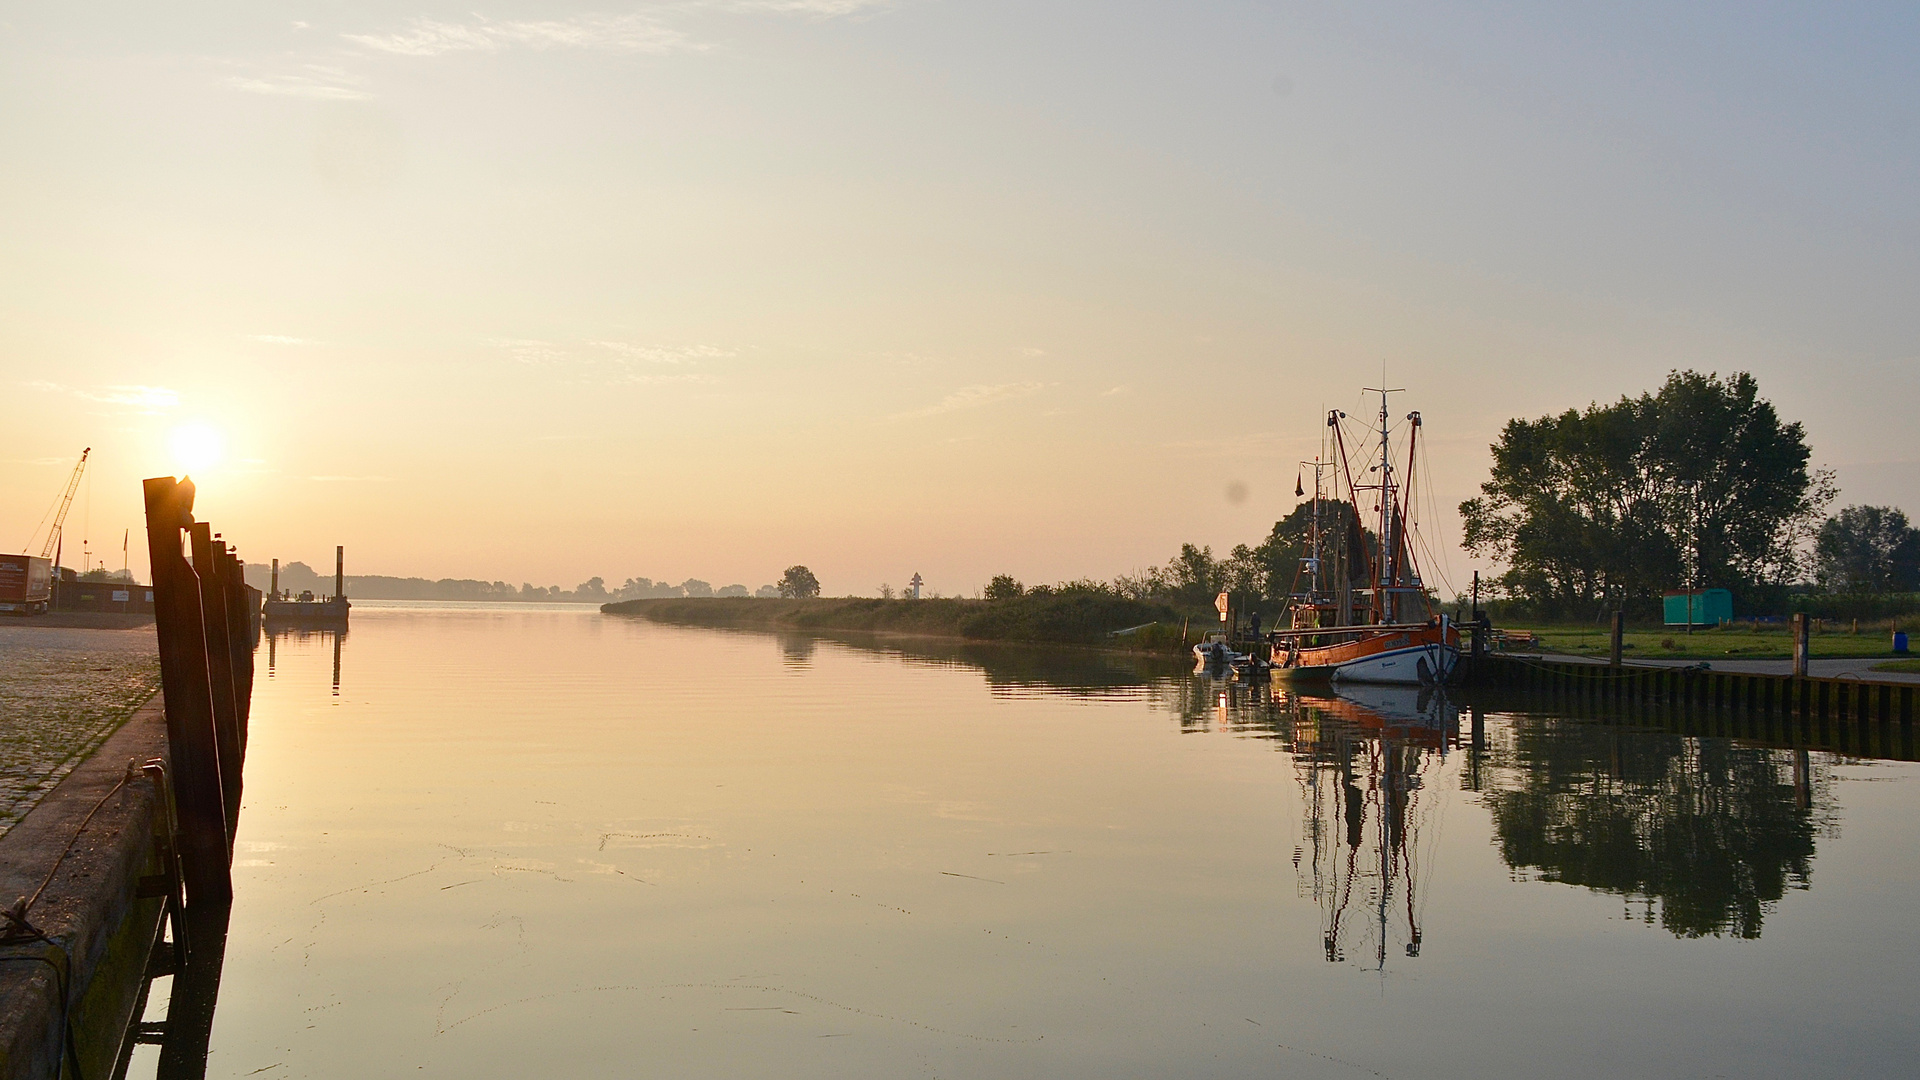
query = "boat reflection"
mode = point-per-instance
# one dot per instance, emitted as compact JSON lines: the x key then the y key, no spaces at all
{"x":296,"y":633}
{"x":1366,"y":760}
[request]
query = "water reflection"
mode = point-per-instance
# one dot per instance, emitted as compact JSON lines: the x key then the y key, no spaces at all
{"x":191,"y":965}
{"x":539,"y":843}
{"x":1704,"y":834}
{"x":303,"y":634}
{"x":1011,"y":670}
{"x":1366,"y":764}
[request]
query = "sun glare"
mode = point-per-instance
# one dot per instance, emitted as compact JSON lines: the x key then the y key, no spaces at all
{"x":197,"y":447}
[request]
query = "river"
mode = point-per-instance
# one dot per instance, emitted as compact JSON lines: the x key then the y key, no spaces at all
{"x":521,"y":841}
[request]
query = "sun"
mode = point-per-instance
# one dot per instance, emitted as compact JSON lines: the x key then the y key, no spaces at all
{"x":197,"y":447}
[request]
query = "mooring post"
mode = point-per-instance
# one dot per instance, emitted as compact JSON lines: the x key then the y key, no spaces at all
{"x":186,"y":690}
{"x":1800,"y":645}
{"x":226,"y":711}
{"x":1619,"y":627}
{"x":239,"y":640}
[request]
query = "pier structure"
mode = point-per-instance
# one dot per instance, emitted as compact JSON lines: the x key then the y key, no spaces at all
{"x":307,"y":609}
{"x":1846,"y":714}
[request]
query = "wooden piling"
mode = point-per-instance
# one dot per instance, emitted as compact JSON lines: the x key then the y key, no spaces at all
{"x":187,"y":690}
{"x":226,"y":710}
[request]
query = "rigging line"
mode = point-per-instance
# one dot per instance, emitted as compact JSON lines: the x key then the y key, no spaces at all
{"x":1446,"y":562}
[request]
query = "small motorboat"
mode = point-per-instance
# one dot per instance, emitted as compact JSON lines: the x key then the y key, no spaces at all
{"x":1216,"y":654}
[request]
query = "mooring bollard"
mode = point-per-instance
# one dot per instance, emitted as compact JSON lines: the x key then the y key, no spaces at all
{"x":1800,"y":645}
{"x":187,"y":690}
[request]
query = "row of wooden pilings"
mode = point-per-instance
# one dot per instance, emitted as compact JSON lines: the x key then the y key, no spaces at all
{"x":206,"y":618}
{"x":1850,"y":715}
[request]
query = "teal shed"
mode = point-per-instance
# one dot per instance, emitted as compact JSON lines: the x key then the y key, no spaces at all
{"x":1709,"y":607}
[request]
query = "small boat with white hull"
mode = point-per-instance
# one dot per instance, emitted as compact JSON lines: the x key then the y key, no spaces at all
{"x":1214,"y":651}
{"x":1363,"y":615}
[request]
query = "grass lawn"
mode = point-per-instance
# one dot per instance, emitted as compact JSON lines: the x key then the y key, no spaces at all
{"x":1713,"y":644}
{"x":1899,"y":665}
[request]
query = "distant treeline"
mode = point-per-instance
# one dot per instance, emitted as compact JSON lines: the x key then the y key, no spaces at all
{"x":298,"y":577}
{"x":1072,"y":615}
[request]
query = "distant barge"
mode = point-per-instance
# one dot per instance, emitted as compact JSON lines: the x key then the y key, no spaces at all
{"x":306,"y":609}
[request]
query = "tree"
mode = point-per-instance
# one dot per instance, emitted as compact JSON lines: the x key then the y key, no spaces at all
{"x":1194,"y":576}
{"x":696,"y":587}
{"x":1867,"y":549}
{"x":1701,"y":482}
{"x":1003,"y":587}
{"x":593,"y":589}
{"x":799,"y":583}
{"x":1275,"y":564}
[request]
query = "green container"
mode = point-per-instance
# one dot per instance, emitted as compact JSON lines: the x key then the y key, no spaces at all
{"x":1709,"y":607}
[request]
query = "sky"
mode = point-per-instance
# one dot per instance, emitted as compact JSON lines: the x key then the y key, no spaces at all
{"x":538,"y":292}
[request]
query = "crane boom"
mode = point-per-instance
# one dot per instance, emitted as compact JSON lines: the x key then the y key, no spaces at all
{"x":66,"y":500}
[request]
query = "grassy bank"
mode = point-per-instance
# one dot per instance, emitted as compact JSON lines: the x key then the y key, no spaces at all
{"x":1719,"y":643}
{"x":1068,"y":618}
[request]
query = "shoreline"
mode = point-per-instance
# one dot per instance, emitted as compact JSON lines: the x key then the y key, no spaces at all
{"x":1057,"y":619}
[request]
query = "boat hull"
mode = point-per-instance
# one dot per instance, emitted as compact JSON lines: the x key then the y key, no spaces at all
{"x":1417,"y":656}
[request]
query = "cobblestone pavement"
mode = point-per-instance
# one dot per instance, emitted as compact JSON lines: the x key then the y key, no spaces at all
{"x":62,"y":692}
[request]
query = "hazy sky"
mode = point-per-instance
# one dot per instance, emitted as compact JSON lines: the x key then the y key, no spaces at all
{"x":542,"y":291}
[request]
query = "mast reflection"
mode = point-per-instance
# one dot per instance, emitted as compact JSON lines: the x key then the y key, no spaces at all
{"x":1365,"y":761}
{"x":294,"y":633}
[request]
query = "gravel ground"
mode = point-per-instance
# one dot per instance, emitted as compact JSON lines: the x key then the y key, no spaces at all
{"x":63,"y":690}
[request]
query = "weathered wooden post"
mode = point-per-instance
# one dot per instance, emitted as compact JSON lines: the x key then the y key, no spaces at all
{"x":187,"y":691}
{"x":226,"y":710}
{"x":1619,"y":629}
{"x":239,"y":639}
{"x":1800,"y":645}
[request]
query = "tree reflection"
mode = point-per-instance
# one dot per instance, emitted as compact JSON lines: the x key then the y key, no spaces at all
{"x":1710,"y":833}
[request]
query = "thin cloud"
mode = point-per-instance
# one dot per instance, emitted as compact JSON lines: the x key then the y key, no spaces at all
{"x":608,"y":33}
{"x":654,"y":380}
{"x":628,"y":33}
{"x":318,"y":83}
{"x":530,"y":351}
{"x":823,"y":8}
{"x":1123,"y":388}
{"x":148,"y":400}
{"x":279,"y":339}
{"x":973,"y":397}
{"x":657,"y":354}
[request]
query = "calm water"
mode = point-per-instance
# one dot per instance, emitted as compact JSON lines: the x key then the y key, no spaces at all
{"x":544,"y":842}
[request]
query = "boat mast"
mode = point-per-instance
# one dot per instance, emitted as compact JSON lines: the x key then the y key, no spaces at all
{"x":1386,"y":519}
{"x":1382,"y":596}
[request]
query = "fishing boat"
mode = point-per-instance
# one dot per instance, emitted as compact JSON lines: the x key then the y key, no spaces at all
{"x":1363,"y":615}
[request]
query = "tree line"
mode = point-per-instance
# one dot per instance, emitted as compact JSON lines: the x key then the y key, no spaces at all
{"x":1701,"y":484}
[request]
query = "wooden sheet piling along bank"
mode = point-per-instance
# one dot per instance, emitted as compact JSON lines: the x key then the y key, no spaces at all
{"x":186,"y":677}
{"x":1848,"y":715}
